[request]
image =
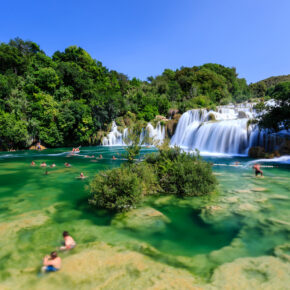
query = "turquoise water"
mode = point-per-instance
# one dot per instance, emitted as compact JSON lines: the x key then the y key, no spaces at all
{"x":247,"y":218}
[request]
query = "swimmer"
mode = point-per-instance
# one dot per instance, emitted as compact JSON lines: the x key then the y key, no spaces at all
{"x":101,"y":156}
{"x":114,"y":158}
{"x":257,"y":168}
{"x":67,"y":164}
{"x":52,"y":165}
{"x":43,"y":164}
{"x":82,"y":176}
{"x":32,"y":163}
{"x":51,"y":263}
{"x":69,"y":242}
{"x":38,"y":146}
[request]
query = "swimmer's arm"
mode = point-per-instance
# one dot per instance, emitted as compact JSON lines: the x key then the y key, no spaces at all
{"x":46,"y":261}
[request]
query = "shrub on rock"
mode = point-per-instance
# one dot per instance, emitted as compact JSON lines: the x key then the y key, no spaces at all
{"x":116,"y":189}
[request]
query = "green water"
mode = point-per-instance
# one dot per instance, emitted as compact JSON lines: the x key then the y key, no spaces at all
{"x":36,"y":207}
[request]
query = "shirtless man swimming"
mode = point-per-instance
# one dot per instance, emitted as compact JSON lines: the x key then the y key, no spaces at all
{"x":69,"y":242}
{"x":51,"y":263}
{"x":258,"y":170}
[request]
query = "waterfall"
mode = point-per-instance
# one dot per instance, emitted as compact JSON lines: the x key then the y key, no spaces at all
{"x":223,"y":131}
{"x":116,"y":138}
{"x":157,"y":135}
{"x":213,"y":132}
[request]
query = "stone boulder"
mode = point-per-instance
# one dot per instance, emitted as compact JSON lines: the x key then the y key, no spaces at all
{"x":171,"y":125}
{"x":242,"y":115}
{"x":144,"y":219}
{"x":257,"y":152}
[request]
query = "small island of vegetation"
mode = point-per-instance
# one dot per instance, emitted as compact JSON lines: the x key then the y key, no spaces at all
{"x":168,"y":171}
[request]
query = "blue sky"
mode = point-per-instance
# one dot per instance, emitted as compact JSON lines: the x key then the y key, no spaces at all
{"x":142,"y":38}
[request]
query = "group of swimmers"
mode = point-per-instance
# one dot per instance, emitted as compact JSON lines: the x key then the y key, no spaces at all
{"x":52,"y":262}
{"x":76,"y":150}
{"x":43,"y":164}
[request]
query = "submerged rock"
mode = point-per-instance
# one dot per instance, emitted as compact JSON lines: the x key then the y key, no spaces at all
{"x":247,"y":207}
{"x":252,"y":273}
{"x":259,"y":189}
{"x":105,"y":267}
{"x":143,"y":219}
{"x":243,"y":190}
{"x":283,"y":252}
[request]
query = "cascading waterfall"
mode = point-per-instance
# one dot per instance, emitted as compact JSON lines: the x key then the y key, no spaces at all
{"x":116,"y":138}
{"x":224,"y":131}
{"x":157,"y":135}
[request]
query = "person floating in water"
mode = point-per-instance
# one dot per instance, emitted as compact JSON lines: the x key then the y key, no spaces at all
{"x":76,"y":149}
{"x":52,"y":165}
{"x":81,"y":176}
{"x":32,"y":163}
{"x":69,"y":242}
{"x":43,"y":164}
{"x":258,"y":170}
{"x":67,"y":164}
{"x":114,"y":158}
{"x":51,"y":263}
{"x":101,"y":156}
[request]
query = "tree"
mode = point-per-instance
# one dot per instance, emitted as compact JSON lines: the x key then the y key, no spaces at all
{"x":277,"y":116}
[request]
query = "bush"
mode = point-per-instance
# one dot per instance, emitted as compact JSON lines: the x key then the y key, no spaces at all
{"x":182,"y":174}
{"x":147,"y":178}
{"x":117,"y":189}
{"x":169,"y":171}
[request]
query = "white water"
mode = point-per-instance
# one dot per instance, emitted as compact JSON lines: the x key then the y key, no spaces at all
{"x":224,"y":131}
{"x":116,"y":138}
{"x":283,"y":160}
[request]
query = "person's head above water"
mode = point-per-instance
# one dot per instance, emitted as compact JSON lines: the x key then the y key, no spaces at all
{"x":53,"y":255}
{"x":65,"y":234}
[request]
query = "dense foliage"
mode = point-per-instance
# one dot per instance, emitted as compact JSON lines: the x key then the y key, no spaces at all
{"x":182,"y":174}
{"x":68,"y":98}
{"x":273,"y":81}
{"x":276,"y":117}
{"x":117,"y":189}
{"x":167,"y":172}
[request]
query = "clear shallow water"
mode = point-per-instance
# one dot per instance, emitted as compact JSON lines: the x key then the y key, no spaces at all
{"x":35,"y":208}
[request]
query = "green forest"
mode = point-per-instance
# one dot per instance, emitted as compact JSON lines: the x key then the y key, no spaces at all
{"x":69,"y":98}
